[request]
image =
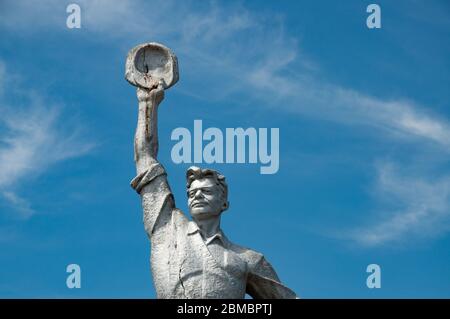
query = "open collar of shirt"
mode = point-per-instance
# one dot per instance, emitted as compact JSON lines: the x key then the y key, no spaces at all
{"x":193,"y":228}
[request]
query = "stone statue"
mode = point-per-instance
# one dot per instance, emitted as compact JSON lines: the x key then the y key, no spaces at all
{"x":189,"y":259}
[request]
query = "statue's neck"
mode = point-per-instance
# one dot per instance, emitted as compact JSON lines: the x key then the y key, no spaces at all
{"x":209,"y":226}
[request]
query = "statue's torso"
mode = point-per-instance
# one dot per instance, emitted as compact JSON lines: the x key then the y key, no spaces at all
{"x":184,"y":266}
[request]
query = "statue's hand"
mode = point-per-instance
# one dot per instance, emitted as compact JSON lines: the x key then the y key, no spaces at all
{"x":155,"y":94}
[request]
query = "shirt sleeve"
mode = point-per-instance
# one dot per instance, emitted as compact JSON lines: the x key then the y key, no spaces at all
{"x":156,"y":196}
{"x":263,"y":283}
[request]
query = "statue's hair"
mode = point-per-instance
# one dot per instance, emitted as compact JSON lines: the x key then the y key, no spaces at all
{"x":195,"y":172}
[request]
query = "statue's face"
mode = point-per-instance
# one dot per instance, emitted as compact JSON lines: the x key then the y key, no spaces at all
{"x":205,"y":199}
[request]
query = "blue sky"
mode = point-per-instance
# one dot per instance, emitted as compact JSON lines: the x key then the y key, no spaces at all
{"x":364,"y":140}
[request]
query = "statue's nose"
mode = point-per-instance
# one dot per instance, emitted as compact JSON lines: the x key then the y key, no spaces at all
{"x":198,"y":194}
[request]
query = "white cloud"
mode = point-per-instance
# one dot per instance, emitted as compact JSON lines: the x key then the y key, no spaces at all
{"x":419,"y":208}
{"x":31,"y":16}
{"x":32,"y":140}
{"x":241,"y":52}
{"x":400,"y":118}
{"x":22,"y":206}
{"x":238,"y":51}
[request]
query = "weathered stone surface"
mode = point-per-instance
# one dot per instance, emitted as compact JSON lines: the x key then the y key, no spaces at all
{"x":149,"y":63}
{"x":189,"y":259}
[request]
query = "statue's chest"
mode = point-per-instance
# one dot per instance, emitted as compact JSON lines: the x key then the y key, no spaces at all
{"x":188,"y":268}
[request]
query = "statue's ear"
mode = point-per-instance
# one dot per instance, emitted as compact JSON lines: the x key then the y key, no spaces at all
{"x":226,"y":205}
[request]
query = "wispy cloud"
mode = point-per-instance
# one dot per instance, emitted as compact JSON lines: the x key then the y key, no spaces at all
{"x":22,"y":206}
{"x":252,"y":55}
{"x":32,"y":139}
{"x":416,"y":207}
{"x":400,"y":118}
{"x":241,"y":52}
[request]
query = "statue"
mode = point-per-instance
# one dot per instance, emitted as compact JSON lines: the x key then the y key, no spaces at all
{"x":189,"y":259}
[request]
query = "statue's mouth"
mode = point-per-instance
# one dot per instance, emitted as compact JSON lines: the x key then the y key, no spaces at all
{"x":198,"y":204}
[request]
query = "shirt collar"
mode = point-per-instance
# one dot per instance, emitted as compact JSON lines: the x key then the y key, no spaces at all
{"x":193,"y":228}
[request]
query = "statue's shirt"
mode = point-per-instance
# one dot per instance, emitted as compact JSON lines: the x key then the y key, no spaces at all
{"x":184,"y":265}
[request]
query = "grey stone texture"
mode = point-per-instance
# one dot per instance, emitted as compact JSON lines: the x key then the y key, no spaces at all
{"x":189,"y":258}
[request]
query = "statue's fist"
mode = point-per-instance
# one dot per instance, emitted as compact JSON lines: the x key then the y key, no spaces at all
{"x":155,"y":94}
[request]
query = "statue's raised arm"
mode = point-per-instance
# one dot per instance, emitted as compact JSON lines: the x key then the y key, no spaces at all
{"x":146,"y":137}
{"x":152,"y":68}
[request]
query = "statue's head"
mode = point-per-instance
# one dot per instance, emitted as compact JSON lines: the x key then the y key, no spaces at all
{"x":207,"y":192}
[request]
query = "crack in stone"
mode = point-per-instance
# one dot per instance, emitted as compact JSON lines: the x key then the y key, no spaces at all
{"x":181,"y":281}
